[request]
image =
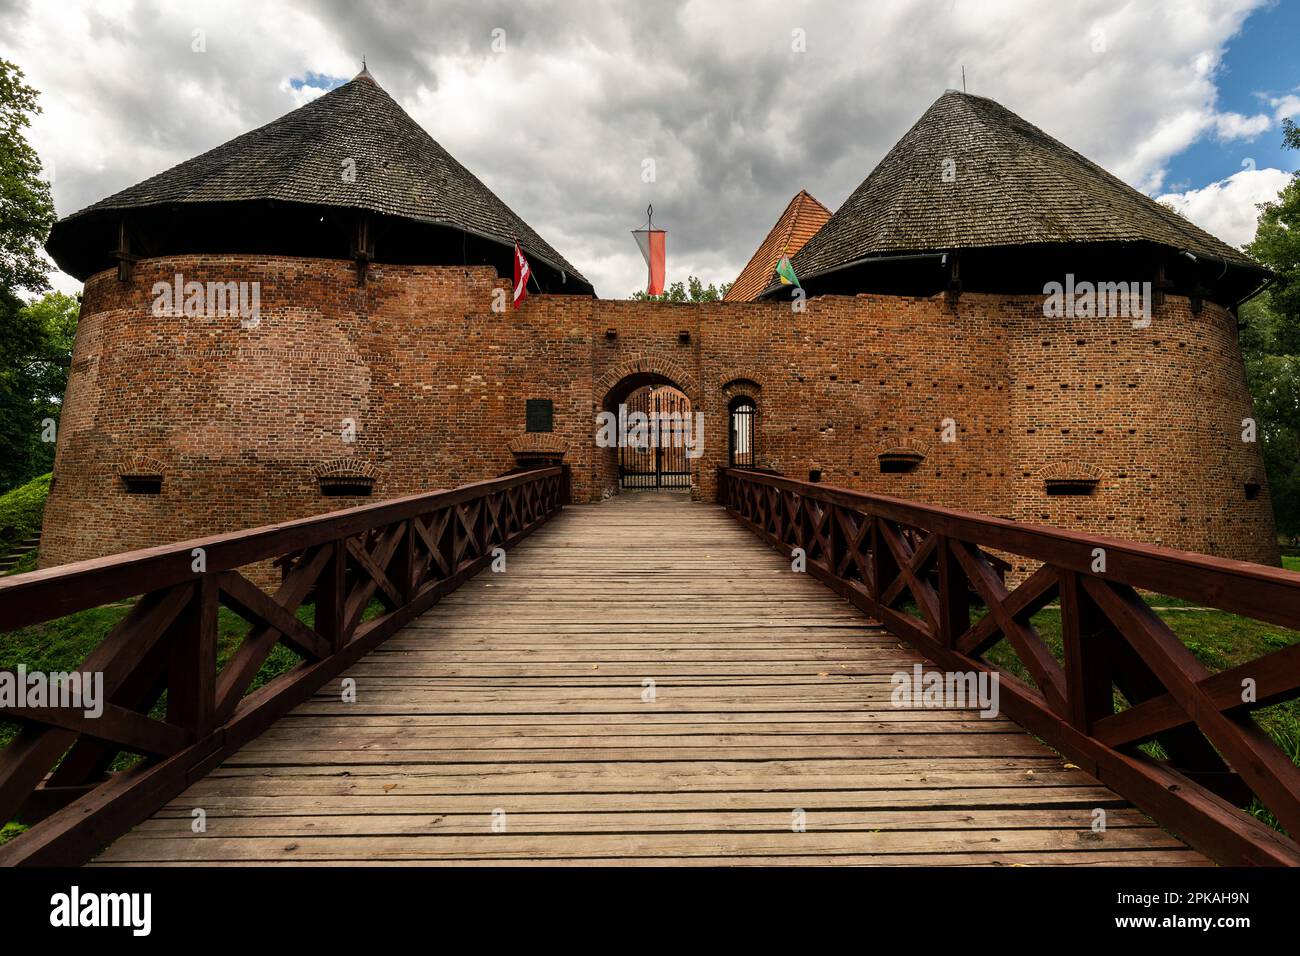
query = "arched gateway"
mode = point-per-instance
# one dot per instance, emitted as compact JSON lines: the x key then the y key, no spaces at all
{"x":660,"y":439}
{"x":651,"y":435}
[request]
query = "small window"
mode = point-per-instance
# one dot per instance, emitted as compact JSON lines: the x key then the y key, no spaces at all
{"x":539,"y":415}
{"x":1252,"y":489}
{"x":1067,"y":487}
{"x":346,"y":486}
{"x":142,"y":484}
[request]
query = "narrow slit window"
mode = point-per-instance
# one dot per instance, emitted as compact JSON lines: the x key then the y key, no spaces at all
{"x":1071,"y":487}
{"x":346,"y":486}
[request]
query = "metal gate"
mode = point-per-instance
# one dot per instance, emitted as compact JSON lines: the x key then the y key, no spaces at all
{"x":659,"y":460}
{"x":741,"y":439}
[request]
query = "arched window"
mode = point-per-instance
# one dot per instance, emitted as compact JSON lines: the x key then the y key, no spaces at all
{"x":741,"y":442}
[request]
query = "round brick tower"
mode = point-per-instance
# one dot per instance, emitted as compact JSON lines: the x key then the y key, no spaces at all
{"x":319,"y":311}
{"x":247,"y":317}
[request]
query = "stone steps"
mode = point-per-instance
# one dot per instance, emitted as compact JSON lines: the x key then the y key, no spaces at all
{"x":20,"y":551}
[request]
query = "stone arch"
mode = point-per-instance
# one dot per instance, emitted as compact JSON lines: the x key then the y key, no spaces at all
{"x":1069,"y":471}
{"x":621,"y":381}
{"x":741,"y":385}
{"x":140,"y":466}
{"x":734,"y":381}
{"x":645,"y":369}
{"x":345,"y":468}
{"x":905,"y":445}
{"x":345,"y":477}
{"x":901,"y":455}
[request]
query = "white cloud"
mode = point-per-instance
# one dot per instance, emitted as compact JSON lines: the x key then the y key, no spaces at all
{"x":559,"y":122}
{"x":1229,"y":126}
{"x":1229,"y":208}
{"x":1285,"y":107}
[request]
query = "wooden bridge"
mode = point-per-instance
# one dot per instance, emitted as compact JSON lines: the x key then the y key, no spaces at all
{"x":646,"y":683}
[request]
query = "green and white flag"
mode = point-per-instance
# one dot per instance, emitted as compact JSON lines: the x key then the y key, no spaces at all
{"x":785,"y":272}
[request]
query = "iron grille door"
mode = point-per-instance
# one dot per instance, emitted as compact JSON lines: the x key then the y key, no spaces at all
{"x":662,"y":462}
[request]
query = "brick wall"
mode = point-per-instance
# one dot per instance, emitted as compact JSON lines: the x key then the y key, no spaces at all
{"x":243,"y":419}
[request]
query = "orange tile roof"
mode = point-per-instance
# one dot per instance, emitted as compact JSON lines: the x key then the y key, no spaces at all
{"x":800,"y":221}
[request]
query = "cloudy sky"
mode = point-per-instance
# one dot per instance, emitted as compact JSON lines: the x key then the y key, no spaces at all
{"x":556,"y":105}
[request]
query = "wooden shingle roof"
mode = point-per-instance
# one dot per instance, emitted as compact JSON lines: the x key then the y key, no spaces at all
{"x":1008,"y":183}
{"x":803,"y":216}
{"x":309,"y":156}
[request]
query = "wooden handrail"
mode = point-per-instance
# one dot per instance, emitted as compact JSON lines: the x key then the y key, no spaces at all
{"x":881,"y":552}
{"x":405,"y":553}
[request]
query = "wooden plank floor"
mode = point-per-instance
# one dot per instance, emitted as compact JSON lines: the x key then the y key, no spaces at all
{"x":518,"y":702}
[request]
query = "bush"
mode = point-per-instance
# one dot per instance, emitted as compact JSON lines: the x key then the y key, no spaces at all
{"x":20,"y":512}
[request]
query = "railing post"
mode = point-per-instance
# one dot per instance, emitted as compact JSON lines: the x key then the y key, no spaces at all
{"x":331,"y":595}
{"x":883,"y":566}
{"x":403,"y":563}
{"x":1088,"y":693}
{"x":192,"y":668}
{"x":834,"y":544}
{"x":954,"y":595}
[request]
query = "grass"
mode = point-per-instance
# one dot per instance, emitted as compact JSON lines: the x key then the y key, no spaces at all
{"x":62,"y":644}
{"x":1217,"y":639}
{"x":20,"y":512}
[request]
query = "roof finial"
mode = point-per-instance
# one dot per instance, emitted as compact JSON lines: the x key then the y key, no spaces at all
{"x":963,"y":78}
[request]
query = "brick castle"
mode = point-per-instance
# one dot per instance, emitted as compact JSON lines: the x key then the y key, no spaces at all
{"x":922,"y":364}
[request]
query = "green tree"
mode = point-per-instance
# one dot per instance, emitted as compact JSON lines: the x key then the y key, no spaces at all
{"x":32,"y":337}
{"x":1272,"y":359}
{"x":26,"y":208}
{"x":1270,"y":345}
{"x":693,"y":290}
{"x":34,"y":361}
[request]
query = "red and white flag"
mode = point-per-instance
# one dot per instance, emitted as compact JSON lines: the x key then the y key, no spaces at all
{"x":652,"y":245}
{"x":522,"y":272}
{"x":652,"y":242}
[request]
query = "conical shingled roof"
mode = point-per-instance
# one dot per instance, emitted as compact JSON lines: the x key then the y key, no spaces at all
{"x":803,"y":216}
{"x":400,"y":170}
{"x":1013,"y":185}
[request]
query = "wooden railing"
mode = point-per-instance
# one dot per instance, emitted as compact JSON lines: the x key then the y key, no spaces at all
{"x":921,"y":571}
{"x":405,"y":553}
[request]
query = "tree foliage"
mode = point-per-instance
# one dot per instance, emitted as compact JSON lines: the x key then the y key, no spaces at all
{"x":26,"y":208}
{"x":35,"y":338}
{"x":693,"y":290}
{"x":35,"y":355}
{"x":1270,"y":345}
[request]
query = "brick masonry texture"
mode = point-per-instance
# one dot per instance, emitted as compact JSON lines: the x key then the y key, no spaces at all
{"x":243,"y":420}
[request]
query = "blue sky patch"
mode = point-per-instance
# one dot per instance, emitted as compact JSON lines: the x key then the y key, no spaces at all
{"x":320,"y":81}
{"x":1260,"y":63}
